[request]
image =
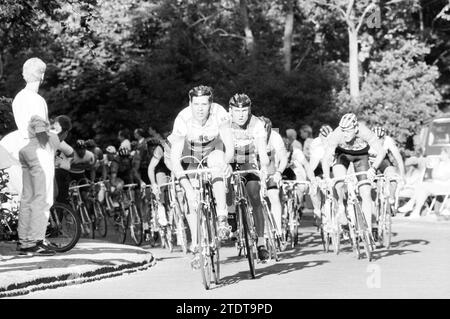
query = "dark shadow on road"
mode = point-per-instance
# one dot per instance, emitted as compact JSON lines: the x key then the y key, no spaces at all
{"x":409,"y":242}
{"x":279,"y":268}
{"x":379,"y":254}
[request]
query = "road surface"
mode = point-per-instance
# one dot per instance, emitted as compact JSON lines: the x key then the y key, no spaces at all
{"x":416,"y":266}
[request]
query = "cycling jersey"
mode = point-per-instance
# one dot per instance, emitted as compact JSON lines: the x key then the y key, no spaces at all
{"x":200,"y":140}
{"x":360,"y":145}
{"x":167,"y":149}
{"x":244,"y":140}
{"x":389,"y":159}
{"x":158,"y":154}
{"x":275,"y":150}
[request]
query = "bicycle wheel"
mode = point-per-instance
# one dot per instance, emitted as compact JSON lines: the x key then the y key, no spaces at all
{"x":180,"y":229}
{"x":387,"y":227}
{"x":336,"y":234}
{"x":121,"y":223}
{"x":135,"y":225}
{"x":203,"y":245}
{"x":63,"y":229}
{"x":322,"y":237}
{"x":101,"y":225}
{"x":214,"y":248}
{"x":271,"y":234}
{"x":367,"y":245}
{"x":87,"y":223}
{"x":249,"y":247}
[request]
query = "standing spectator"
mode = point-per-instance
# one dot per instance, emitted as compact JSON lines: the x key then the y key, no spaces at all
{"x":37,"y":160}
{"x":143,"y":154}
{"x":63,"y":159}
{"x":293,"y":142}
{"x":28,"y":102}
{"x":124,"y":139}
{"x":306,"y":135}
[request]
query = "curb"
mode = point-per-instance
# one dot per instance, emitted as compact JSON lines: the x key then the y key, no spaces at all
{"x":74,"y":278}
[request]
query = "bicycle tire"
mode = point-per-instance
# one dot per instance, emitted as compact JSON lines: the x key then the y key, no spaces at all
{"x":367,"y":245}
{"x":387,"y":227}
{"x":180,"y":229}
{"x":87,"y":228}
{"x":135,"y":226}
{"x":100,"y":219}
{"x":322,"y":237}
{"x":249,"y":247}
{"x":61,"y":212}
{"x":215,"y":241}
{"x":122,"y":224}
{"x":203,"y":243}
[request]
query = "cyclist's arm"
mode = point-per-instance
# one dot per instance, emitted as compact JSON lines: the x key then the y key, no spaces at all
{"x":374,"y":142}
{"x":300,"y":157}
{"x":330,"y":149}
{"x":158,"y":154}
{"x":226,"y":135}
{"x":389,"y":142}
{"x":281,"y":152}
{"x":135,"y":165}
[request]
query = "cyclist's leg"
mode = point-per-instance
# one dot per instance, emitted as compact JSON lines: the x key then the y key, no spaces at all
{"x":162,"y":178}
{"x":365,"y":190}
{"x":339,"y":171}
{"x":300,"y":175}
{"x":273,"y":192}
{"x":216,"y":159}
{"x":390,"y":170}
{"x":253,"y":190}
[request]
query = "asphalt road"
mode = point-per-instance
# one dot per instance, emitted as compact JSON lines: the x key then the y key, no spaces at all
{"x":416,"y":266}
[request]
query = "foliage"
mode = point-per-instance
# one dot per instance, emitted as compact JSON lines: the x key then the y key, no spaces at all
{"x":399,"y":93}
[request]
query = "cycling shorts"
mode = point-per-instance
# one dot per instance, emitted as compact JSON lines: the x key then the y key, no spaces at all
{"x":359,"y":158}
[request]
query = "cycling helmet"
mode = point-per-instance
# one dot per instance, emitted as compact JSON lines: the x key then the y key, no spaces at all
{"x":379,"y":131}
{"x":80,"y":144}
{"x":124,"y":152}
{"x":201,"y":90}
{"x":348,"y":121}
{"x":240,"y":100}
{"x":325,"y":130}
{"x":111,"y":150}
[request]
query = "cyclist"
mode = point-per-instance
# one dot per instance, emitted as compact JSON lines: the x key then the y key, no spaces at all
{"x":143,"y":154}
{"x":317,"y":151}
{"x":250,"y":139}
{"x":278,"y":157}
{"x":203,"y":130}
{"x":299,"y":169}
{"x":350,"y":142}
{"x":158,"y":174}
{"x":392,"y":163}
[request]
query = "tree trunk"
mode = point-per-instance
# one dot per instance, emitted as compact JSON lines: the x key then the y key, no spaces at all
{"x":1,"y":65}
{"x":287,"y":40}
{"x":353,"y":62}
{"x":249,"y":39}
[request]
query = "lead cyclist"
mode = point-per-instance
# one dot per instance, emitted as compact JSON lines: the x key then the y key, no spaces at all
{"x":203,"y":130}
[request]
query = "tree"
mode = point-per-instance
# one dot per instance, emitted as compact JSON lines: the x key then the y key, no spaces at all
{"x":354,"y":14}
{"x":399,"y":93}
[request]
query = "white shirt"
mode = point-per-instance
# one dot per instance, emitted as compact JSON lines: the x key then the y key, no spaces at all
{"x":26,"y":104}
{"x":62,"y":159}
{"x":276,"y":148}
{"x":201,"y":138}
